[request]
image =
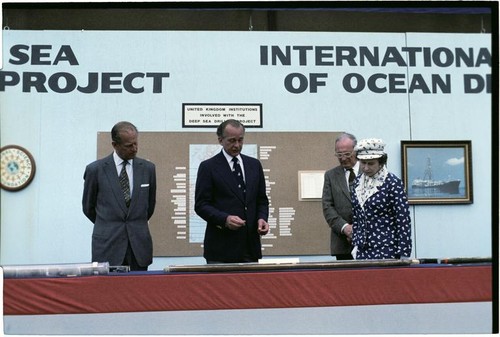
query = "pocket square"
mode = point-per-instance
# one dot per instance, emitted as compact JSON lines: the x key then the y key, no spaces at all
{"x":144,"y":185}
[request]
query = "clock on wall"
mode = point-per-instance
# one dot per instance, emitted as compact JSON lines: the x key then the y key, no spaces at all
{"x":17,"y":167}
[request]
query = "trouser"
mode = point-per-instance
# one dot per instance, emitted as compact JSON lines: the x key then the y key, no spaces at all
{"x":131,"y":261}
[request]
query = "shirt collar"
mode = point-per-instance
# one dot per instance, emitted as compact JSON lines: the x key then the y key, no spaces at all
{"x":229,"y":158}
{"x":355,"y":168}
{"x":119,"y":161}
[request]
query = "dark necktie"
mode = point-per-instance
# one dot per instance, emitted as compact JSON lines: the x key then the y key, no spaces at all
{"x":352,"y":176}
{"x":238,"y":173}
{"x":124,"y":183}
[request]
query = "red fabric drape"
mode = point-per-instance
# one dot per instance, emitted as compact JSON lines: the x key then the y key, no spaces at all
{"x":284,"y":289}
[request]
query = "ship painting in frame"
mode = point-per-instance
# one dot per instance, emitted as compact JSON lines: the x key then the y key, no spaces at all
{"x":437,"y":172}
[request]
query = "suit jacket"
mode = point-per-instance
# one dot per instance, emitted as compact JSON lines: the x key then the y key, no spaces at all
{"x":114,"y":224}
{"x":337,"y":208}
{"x":217,"y":196}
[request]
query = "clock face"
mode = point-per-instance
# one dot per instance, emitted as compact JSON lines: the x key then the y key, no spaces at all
{"x":17,"y":167}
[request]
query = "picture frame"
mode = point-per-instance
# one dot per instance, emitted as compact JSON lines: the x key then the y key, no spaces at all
{"x":437,"y":172}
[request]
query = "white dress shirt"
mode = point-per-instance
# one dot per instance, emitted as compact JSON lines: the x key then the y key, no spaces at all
{"x":229,"y":159}
{"x":128,"y":168}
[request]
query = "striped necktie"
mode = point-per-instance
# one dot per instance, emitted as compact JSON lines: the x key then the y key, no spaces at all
{"x":124,"y":183}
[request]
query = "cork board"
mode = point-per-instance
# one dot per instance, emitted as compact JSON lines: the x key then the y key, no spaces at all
{"x":297,"y":224}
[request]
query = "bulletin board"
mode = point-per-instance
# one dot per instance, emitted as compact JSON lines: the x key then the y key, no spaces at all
{"x":297,"y":225}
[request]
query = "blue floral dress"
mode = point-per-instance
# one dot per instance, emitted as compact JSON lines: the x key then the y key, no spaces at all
{"x":381,"y":217}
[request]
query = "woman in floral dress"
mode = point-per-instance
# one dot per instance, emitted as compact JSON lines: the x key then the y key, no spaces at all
{"x":381,"y":216}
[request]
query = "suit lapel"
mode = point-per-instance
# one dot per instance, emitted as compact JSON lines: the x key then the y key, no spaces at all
{"x":138,"y":169}
{"x":112,"y":176}
{"x":249,"y":176}
{"x":225,"y":172}
{"x":343,"y":183}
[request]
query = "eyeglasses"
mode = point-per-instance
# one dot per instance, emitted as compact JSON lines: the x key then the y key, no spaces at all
{"x":343,"y":154}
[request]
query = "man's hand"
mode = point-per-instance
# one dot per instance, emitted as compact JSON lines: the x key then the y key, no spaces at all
{"x":263,"y":227}
{"x":348,"y":232}
{"x":234,"y":222}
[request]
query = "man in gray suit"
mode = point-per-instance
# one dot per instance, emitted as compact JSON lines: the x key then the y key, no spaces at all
{"x":119,"y":197}
{"x":337,"y":207}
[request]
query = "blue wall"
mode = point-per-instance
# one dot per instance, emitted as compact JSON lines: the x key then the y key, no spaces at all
{"x":43,"y":223}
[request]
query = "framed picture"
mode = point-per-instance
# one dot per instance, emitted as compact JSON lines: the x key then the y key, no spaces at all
{"x":437,"y":172}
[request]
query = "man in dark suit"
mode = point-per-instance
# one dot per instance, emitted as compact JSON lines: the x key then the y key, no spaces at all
{"x":337,"y":207}
{"x":234,"y":205}
{"x":119,"y":197}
